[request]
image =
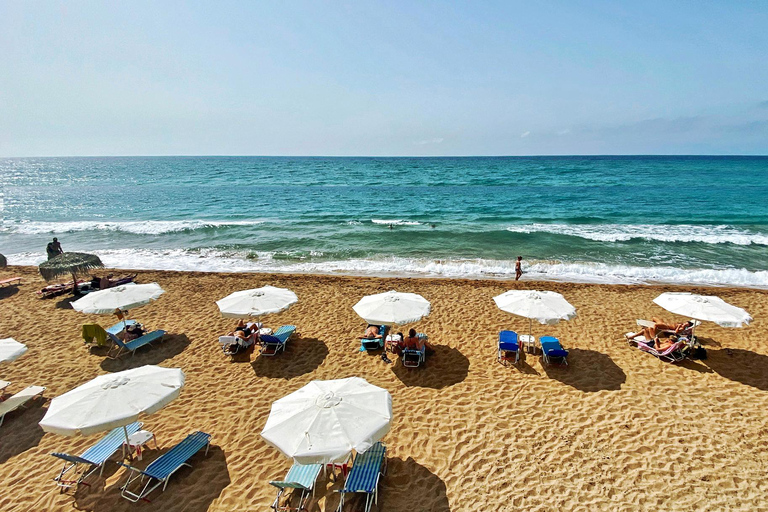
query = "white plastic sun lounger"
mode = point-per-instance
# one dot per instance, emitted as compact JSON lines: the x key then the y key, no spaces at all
{"x":19,"y":399}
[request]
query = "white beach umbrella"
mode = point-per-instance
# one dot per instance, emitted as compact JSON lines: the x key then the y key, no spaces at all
{"x":325,"y":421}
{"x":707,"y":308}
{"x":547,"y":308}
{"x":392,"y":308}
{"x":11,"y":350}
{"x":113,"y":400}
{"x":123,"y":297}
{"x":256,"y":302}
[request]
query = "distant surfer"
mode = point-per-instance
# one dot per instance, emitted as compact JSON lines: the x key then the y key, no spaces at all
{"x":518,"y":268}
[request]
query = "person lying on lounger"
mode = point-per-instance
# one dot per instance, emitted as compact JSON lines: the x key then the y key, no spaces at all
{"x":241,"y":331}
{"x":663,"y":329}
{"x":662,"y":345}
{"x":371,"y":333}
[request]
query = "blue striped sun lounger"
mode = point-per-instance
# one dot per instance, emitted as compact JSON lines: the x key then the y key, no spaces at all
{"x":301,"y":477}
{"x":273,"y":343}
{"x":133,"y":345}
{"x":119,"y":326}
{"x":93,"y":458}
{"x":364,"y":477}
{"x":161,"y":469}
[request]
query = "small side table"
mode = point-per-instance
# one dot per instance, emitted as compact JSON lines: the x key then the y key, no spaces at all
{"x":528,"y":341}
{"x":139,"y":440}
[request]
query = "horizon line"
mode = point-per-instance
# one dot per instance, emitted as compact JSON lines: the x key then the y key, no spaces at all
{"x":403,"y":156}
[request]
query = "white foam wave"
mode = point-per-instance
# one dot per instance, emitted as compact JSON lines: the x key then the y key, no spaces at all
{"x":147,"y":227}
{"x":221,"y":261}
{"x":664,"y":233}
{"x":396,"y":222}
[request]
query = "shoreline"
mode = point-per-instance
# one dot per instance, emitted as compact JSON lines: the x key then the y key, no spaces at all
{"x":404,"y":275}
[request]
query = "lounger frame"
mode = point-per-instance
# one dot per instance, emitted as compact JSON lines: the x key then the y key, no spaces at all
{"x":22,"y":403}
{"x":371,"y":498}
{"x":133,"y":345}
{"x":294,"y":485}
{"x":508,"y":345}
{"x":273,"y":344}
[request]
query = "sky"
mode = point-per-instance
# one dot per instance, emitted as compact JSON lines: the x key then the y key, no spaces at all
{"x":391,"y":78}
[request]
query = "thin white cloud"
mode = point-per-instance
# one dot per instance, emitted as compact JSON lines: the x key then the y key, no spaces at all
{"x":564,"y":132}
{"x":524,"y":135}
{"x":436,"y":140}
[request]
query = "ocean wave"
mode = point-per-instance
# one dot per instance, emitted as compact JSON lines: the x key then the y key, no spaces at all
{"x":720,"y":234}
{"x":146,"y":227}
{"x":214,"y":260}
{"x":397,"y":222}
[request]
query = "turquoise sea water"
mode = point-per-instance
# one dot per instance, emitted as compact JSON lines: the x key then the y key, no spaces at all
{"x":608,"y":219}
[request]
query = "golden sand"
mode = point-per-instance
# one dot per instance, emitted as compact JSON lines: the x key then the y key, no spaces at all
{"x":615,"y":430}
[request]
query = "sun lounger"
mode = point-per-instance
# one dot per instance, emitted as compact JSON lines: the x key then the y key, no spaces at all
{"x":673,"y":354}
{"x":413,"y":358}
{"x":13,"y":281}
{"x":119,"y":326}
{"x":3,"y":384}
{"x":374,"y":343}
{"x":552,"y":351}
{"x":508,"y":343}
{"x":364,"y":477}
{"x":271,"y":344}
{"x":160,"y":470}
{"x":133,"y":345}
{"x":94,"y":457}
{"x":301,"y":477}
{"x":19,"y":399}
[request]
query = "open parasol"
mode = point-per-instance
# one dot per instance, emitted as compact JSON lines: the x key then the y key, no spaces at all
{"x":69,"y":263}
{"x":3,"y":261}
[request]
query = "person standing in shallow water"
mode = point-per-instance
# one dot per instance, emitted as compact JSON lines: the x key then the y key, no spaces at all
{"x":518,"y":268}
{"x":53,"y":248}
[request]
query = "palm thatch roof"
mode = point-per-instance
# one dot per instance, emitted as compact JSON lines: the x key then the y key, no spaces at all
{"x":3,"y":261}
{"x":69,"y":263}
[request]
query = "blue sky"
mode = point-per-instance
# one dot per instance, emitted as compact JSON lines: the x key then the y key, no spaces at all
{"x":384,"y":78}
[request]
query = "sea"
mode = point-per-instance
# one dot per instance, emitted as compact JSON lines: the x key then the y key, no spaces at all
{"x":607,"y":219}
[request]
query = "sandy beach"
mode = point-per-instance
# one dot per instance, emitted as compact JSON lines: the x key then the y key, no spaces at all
{"x":615,"y":430}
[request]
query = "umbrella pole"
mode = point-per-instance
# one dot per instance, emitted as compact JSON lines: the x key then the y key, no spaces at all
{"x":74,"y":284}
{"x":127,"y":441}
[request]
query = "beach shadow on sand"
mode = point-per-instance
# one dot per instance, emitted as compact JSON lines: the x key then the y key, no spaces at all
{"x":20,"y":430}
{"x":154,"y":353}
{"x":189,"y":489}
{"x":301,"y":356}
{"x":588,"y":371}
{"x":408,"y":485}
{"x":66,"y":302}
{"x":8,"y":291}
{"x":744,"y":366}
{"x":446,"y":367}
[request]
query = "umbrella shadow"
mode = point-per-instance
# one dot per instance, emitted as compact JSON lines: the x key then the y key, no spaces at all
{"x":8,"y":291}
{"x":301,"y":356}
{"x":588,"y":371}
{"x":407,"y":485}
{"x":446,"y":367}
{"x":744,"y":366}
{"x":191,"y":489}
{"x":66,"y":302}
{"x":20,"y":430}
{"x":154,"y":353}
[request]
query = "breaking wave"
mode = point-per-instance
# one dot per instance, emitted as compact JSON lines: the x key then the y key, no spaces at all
{"x":720,"y":234}
{"x":148,"y":227}
{"x":215,"y":260}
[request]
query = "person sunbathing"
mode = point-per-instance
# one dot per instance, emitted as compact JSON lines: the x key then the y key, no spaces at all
{"x":241,"y":331}
{"x":663,"y":329}
{"x":415,"y":342}
{"x":662,"y":345}
{"x":133,"y":332}
{"x":371,"y":333}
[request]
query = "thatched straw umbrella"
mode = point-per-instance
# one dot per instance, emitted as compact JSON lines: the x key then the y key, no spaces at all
{"x":69,"y":263}
{"x":3,"y":261}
